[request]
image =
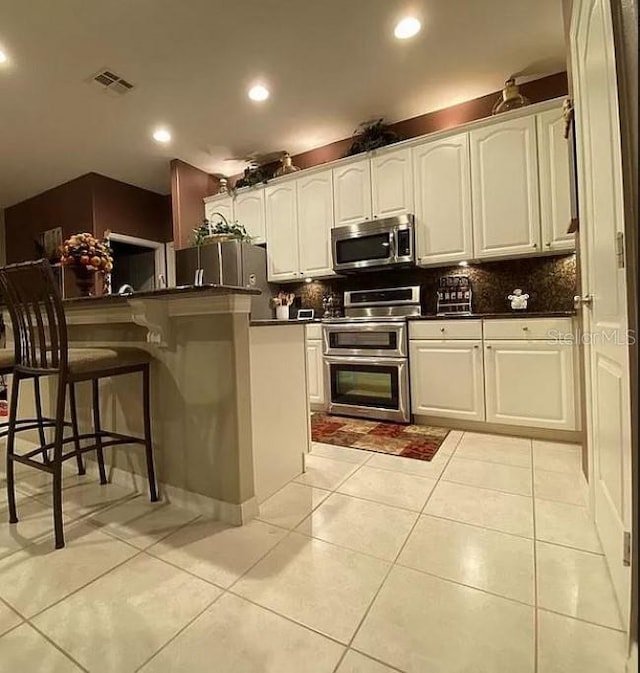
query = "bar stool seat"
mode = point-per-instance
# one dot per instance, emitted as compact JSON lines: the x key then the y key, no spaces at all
{"x":7,"y":360}
{"x":85,"y":361}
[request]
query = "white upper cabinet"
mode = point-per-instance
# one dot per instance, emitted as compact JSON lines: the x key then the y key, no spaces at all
{"x":392,"y":184}
{"x":352,"y":193}
{"x":504,"y":180}
{"x":555,"y":201}
{"x":249,"y":211}
{"x":442,"y":185}
{"x":315,"y":219}
{"x":219,"y":204}
{"x":282,"y":232}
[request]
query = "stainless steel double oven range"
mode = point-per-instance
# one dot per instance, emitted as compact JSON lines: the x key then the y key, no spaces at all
{"x":366,"y":360}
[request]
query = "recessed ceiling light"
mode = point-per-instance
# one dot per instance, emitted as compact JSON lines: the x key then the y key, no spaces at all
{"x":407,"y":27}
{"x":308,"y":280}
{"x":162,"y":136}
{"x":3,"y":57}
{"x":258,"y":93}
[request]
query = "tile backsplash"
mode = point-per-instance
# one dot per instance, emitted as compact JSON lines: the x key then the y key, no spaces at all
{"x":549,"y":281}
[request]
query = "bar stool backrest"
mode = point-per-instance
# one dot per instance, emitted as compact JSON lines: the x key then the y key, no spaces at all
{"x":35,"y":306}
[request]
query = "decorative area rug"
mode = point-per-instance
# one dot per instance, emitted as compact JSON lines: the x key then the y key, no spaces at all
{"x":411,"y":441}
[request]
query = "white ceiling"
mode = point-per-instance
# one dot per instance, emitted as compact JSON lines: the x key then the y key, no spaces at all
{"x":329,"y":64}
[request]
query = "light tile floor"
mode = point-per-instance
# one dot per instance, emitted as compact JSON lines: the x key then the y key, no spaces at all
{"x":484,"y":559}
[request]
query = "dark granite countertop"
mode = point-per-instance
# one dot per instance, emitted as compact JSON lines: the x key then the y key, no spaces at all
{"x":272,"y":321}
{"x":500,"y":316}
{"x":166,"y":293}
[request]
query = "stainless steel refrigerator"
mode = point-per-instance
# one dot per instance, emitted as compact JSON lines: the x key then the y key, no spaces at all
{"x":228,"y":263}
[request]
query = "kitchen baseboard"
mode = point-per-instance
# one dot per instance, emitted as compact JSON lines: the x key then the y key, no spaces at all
{"x":571,"y":436}
{"x":202,"y":505}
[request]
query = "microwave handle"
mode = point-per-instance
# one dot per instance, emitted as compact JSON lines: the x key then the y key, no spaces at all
{"x":393,"y":244}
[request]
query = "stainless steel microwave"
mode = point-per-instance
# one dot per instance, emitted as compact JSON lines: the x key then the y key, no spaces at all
{"x":374,"y":244}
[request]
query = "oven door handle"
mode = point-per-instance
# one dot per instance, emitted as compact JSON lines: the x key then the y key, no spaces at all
{"x":359,"y":360}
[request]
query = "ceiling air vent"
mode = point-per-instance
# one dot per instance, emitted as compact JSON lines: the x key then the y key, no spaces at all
{"x":108,"y":81}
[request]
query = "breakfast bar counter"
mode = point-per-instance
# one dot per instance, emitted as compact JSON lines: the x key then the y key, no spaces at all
{"x":213,"y":381}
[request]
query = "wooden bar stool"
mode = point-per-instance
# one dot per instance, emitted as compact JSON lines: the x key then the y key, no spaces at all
{"x":42,"y":350}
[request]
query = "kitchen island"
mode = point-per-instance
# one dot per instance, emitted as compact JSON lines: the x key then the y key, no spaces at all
{"x":217,"y":392}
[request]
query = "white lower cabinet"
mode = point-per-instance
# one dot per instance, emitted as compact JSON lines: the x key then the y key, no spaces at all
{"x":315,"y":372}
{"x":447,"y":378}
{"x":530,"y":383}
{"x":510,"y":372}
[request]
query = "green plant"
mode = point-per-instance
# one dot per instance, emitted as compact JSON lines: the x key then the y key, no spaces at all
{"x":371,"y":135}
{"x":221,"y":227}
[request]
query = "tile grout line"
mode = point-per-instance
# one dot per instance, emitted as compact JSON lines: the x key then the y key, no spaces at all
{"x":181,"y":630}
{"x":52,"y":642}
{"x":394,"y":562}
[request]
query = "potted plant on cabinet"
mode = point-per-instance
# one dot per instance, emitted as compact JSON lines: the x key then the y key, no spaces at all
{"x":219,"y":230}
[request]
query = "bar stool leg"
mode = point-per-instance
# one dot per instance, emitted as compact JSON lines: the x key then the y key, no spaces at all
{"x":146,"y":412}
{"x":97,"y":428}
{"x":74,"y":427}
{"x":57,"y":465}
{"x":38,"y":400}
{"x":11,"y":437}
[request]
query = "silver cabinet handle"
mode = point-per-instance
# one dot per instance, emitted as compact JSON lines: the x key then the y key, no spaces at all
{"x":525,"y":329}
{"x":488,"y":347}
{"x":442,"y":329}
{"x":548,"y":244}
{"x":579,"y":301}
{"x":534,"y":245}
{"x":476,"y":346}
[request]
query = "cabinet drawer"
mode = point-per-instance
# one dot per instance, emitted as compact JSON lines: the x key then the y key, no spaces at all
{"x":445,"y":329}
{"x":528,"y":328}
{"x":313,"y":331}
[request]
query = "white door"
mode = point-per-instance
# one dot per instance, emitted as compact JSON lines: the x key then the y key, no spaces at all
{"x":220,"y":204}
{"x":442,"y":179}
{"x":447,"y":379}
{"x":352,"y":193}
{"x":530,"y":383}
{"x":504,"y":183}
{"x":392,"y":183}
{"x":555,"y":190}
{"x":249,"y":211}
{"x":315,"y":219}
{"x":315,"y":372}
{"x":282,"y":232}
{"x":603,"y":279}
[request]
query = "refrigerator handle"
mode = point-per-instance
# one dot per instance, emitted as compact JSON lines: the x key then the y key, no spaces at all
{"x":220,"y":266}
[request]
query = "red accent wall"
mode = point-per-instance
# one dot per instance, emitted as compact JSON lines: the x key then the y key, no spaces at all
{"x":536,"y":91}
{"x":189,"y":185}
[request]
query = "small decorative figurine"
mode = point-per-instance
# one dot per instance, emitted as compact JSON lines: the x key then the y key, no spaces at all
{"x":518,"y":300}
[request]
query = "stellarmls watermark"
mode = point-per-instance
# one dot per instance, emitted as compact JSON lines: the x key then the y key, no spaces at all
{"x":602,"y":337}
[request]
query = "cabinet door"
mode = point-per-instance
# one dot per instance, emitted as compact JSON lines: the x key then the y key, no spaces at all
{"x":249,"y":211}
{"x":504,"y":183}
{"x":392,"y":184}
{"x":315,"y":219}
{"x":282,"y":232}
{"x":555,"y":189}
{"x":442,"y":178}
{"x":352,"y":193}
{"x":222,"y":205}
{"x":530,"y":383}
{"x":447,"y":379}
{"x":315,"y":372}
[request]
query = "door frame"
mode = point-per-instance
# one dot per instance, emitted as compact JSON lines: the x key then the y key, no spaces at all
{"x":625,"y":34}
{"x":161,"y":262}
